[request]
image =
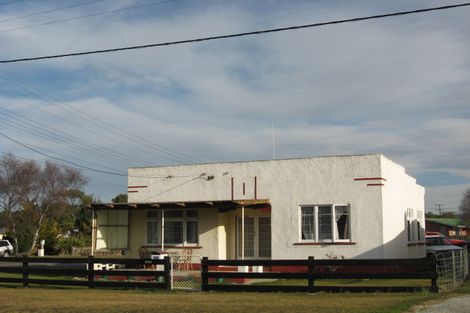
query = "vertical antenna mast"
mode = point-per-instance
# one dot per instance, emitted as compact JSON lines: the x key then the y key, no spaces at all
{"x":274,"y":143}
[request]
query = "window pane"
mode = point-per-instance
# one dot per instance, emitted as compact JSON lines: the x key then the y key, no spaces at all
{"x":152,"y":232}
{"x":418,"y":230}
{"x":249,"y":236}
{"x":174,"y":232}
{"x":265,"y":237}
{"x":191,"y":213}
{"x":174,"y":213}
{"x":152,"y":213}
{"x":324,"y":223}
{"x":191,"y":232}
{"x":308,"y":223}
{"x":408,"y":229}
{"x":342,"y":222}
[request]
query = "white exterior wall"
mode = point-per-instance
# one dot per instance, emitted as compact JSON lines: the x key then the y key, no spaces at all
{"x":400,"y":192}
{"x":287,"y":184}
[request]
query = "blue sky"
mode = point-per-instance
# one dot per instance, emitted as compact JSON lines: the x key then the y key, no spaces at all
{"x":397,"y":86}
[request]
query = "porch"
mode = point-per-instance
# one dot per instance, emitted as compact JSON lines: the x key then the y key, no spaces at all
{"x":232,"y":229}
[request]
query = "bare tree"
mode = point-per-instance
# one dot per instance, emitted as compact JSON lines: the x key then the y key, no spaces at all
{"x":52,"y":192}
{"x":16,"y":183}
{"x":40,"y":193}
{"x":465,"y":206}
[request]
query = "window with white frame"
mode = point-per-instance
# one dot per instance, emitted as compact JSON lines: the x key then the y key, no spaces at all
{"x":180,"y":227}
{"x":153,"y":227}
{"x":325,"y":223}
{"x":414,"y":228}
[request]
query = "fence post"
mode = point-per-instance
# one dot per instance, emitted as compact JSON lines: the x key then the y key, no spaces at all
{"x":168,"y":269}
{"x":25,"y":271}
{"x":204,"y":271}
{"x":454,"y":274}
{"x":91,"y":269}
{"x":311,"y":282}
{"x":433,"y":265}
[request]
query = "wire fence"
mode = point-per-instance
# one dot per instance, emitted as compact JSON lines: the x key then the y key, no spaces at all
{"x":452,"y":269}
{"x":186,"y":272}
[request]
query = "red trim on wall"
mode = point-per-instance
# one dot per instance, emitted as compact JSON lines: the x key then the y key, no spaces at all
{"x":132,"y":191}
{"x":231,"y":184}
{"x":157,"y":246}
{"x":370,"y":178}
{"x":256,"y":187}
{"x":324,"y":243}
{"x":375,"y":185}
{"x":137,"y":187}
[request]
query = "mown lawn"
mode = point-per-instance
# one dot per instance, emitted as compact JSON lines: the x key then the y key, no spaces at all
{"x":19,"y":299}
{"x":350,"y":282}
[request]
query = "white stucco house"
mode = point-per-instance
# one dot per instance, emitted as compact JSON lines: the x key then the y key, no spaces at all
{"x":357,"y":206}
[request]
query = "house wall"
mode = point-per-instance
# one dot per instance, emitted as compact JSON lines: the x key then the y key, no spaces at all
{"x":287,"y":184}
{"x":400,"y":193}
{"x":208,"y":228}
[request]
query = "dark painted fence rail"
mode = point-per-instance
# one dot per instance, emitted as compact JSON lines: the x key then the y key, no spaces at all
{"x":139,"y":273}
{"x":424,"y":268}
{"x":134,"y":274}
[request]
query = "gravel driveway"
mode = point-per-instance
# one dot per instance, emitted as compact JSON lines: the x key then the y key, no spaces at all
{"x":453,"y":305}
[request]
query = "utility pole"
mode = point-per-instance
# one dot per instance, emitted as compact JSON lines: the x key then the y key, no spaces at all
{"x":439,"y":205}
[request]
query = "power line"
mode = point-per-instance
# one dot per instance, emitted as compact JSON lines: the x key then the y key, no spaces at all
{"x":60,"y":159}
{"x":85,"y":167}
{"x":41,"y":134}
{"x":49,"y":11}
{"x":174,"y":187}
{"x":128,"y":158}
{"x":244,"y":34}
{"x":11,"y":2}
{"x":67,"y":139}
{"x":86,"y":16}
{"x":168,"y":153}
{"x":29,"y":159}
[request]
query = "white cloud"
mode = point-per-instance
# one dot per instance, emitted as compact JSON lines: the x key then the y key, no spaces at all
{"x":395,"y":86}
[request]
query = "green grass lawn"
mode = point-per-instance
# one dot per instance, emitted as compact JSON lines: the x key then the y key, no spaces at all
{"x":85,"y":300}
{"x":349,"y":282}
{"x":78,"y":300}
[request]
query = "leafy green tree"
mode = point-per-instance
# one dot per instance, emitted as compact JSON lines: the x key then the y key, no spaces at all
{"x":72,"y":229}
{"x":120,"y":198}
{"x":465,"y":206}
{"x":431,"y":215}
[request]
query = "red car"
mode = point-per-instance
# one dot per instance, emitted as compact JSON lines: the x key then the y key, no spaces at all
{"x":456,"y":242}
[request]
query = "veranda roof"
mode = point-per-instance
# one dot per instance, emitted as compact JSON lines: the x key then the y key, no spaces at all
{"x":221,"y":205}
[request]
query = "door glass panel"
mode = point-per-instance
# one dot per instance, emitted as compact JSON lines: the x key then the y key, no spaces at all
{"x":264,"y":233}
{"x":249,"y":237}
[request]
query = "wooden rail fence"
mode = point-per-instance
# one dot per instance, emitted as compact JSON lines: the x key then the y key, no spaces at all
{"x":89,"y":272}
{"x":138,"y":273}
{"x":322,"y":269}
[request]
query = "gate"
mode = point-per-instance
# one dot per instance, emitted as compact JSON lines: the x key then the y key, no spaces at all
{"x":186,"y":272}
